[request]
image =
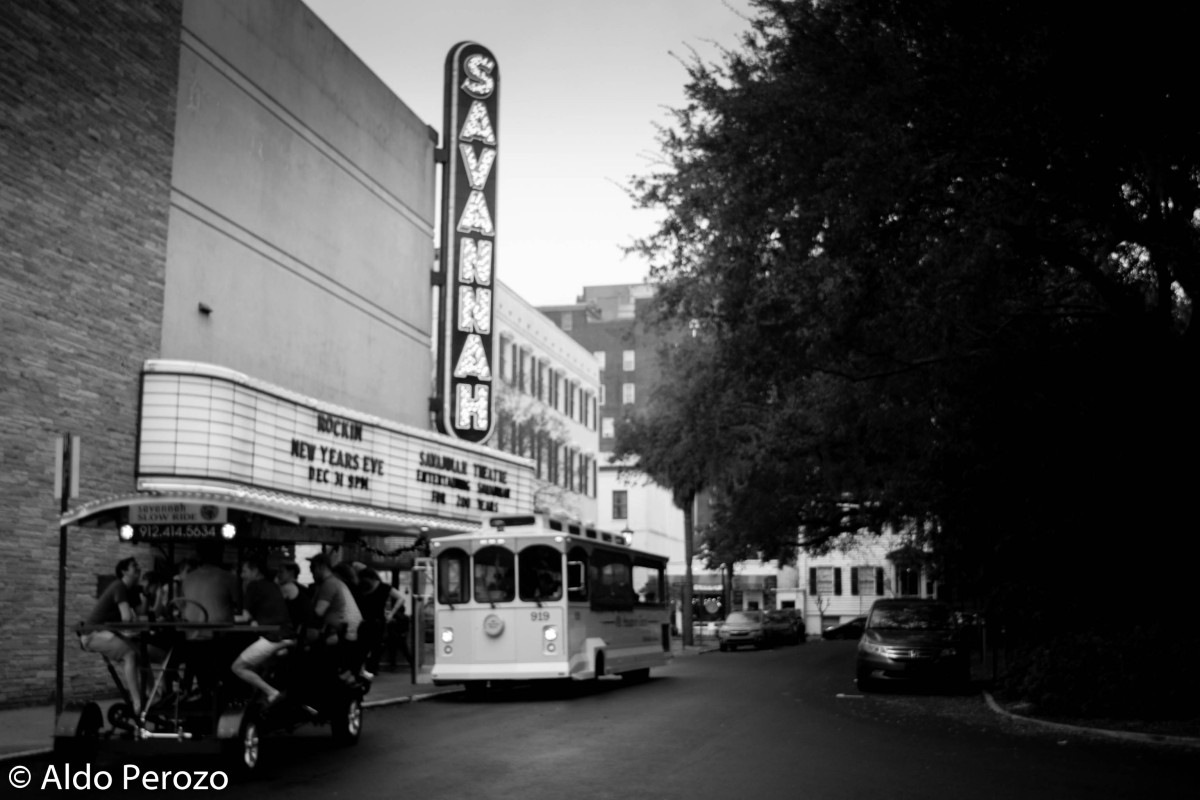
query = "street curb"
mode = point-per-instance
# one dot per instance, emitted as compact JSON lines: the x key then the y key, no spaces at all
{"x":414,"y":698}
{"x":25,"y":754}
{"x":1129,"y":736}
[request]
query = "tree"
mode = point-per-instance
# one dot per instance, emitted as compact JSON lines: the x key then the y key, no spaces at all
{"x":946,"y":255}
{"x":675,"y":441}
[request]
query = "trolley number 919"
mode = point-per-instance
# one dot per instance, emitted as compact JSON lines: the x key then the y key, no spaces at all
{"x":539,"y":616}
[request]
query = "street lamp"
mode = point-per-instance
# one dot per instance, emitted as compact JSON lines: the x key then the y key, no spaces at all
{"x":627,"y":532}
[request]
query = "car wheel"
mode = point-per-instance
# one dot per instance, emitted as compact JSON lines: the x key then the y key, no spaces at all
{"x":636,"y":675}
{"x":347,"y":724}
{"x":247,"y":750}
{"x":724,"y":648}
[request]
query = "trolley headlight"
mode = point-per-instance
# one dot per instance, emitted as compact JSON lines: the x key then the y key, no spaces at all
{"x":125,"y":533}
{"x":228,"y":531}
{"x":550,"y":633}
{"x":448,"y":635}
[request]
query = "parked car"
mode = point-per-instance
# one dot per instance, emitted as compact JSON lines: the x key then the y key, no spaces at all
{"x":742,"y":627}
{"x":783,"y":627}
{"x":851,"y":629}
{"x":911,"y":640}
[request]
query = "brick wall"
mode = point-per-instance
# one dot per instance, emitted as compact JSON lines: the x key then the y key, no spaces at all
{"x":87,"y":118}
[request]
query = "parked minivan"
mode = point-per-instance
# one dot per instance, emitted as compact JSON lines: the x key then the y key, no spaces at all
{"x":911,"y":640}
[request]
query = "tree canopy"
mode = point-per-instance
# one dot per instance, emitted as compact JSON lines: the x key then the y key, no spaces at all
{"x":943,"y":257}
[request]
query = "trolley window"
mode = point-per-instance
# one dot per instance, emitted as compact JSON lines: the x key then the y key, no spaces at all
{"x":540,"y":573}
{"x":577,"y":587}
{"x":452,"y":577}
{"x":494,"y":575}
{"x":612,"y":581}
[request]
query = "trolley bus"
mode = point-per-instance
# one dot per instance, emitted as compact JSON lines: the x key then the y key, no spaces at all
{"x":534,"y":597}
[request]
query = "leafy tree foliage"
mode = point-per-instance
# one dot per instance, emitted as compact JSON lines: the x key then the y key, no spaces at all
{"x":943,"y":256}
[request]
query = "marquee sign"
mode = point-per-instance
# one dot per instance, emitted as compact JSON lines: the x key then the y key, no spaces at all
{"x":203,"y":423}
{"x":467,"y":402}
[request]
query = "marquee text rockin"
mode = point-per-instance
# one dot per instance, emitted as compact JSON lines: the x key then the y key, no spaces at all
{"x":335,"y":466}
{"x":457,"y":468}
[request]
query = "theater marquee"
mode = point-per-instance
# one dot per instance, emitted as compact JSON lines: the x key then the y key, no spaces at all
{"x":205,"y":424}
{"x":466,"y":402}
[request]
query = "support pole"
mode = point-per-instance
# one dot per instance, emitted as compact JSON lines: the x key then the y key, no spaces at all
{"x":65,"y":481}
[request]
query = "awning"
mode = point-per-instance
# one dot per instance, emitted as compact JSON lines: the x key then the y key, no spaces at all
{"x":277,"y":506}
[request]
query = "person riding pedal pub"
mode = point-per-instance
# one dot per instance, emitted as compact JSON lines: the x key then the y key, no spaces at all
{"x":336,"y":615}
{"x":116,"y":604}
{"x":263,"y":604}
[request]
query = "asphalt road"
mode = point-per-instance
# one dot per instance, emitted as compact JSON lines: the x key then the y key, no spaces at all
{"x":787,"y":722}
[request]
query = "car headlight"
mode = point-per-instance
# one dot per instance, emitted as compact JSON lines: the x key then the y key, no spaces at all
{"x":949,"y":651}
{"x":871,"y":647}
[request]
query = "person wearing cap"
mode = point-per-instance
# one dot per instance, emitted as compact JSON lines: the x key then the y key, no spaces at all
{"x":335,"y":612}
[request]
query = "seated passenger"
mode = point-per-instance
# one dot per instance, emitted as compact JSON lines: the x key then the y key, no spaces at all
{"x":115,"y":605}
{"x":211,"y":594}
{"x":263,"y":605}
{"x":335,"y":614}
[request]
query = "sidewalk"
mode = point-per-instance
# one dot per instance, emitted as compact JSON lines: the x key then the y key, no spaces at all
{"x":30,"y":730}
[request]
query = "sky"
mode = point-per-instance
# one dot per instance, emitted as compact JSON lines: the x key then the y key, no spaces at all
{"x":583,"y":85}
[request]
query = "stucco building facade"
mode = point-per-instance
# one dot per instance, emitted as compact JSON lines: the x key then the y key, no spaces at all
{"x":217,"y":271}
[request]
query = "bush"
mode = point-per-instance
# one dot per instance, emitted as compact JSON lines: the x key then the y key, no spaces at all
{"x":1142,"y":675}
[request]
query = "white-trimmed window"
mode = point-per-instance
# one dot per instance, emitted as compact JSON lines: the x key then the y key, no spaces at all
{"x":627,"y":360}
{"x":628,"y":396}
{"x":620,"y":504}
{"x":602,"y":357}
{"x":608,"y":427}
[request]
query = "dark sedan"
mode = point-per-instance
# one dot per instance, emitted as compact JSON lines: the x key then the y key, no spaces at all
{"x":847,"y":630}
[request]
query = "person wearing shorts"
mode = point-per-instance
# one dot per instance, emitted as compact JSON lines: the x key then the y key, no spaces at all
{"x":116,"y":604}
{"x":263,"y":604}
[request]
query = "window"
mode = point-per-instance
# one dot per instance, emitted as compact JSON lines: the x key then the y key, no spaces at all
{"x":540,"y":575}
{"x":862,"y":581}
{"x":620,"y":504}
{"x":451,"y":582}
{"x":608,"y":427}
{"x":505,"y":361}
{"x":825,"y":580}
{"x":494,"y":575}
{"x":627,"y":394}
{"x":612,"y":581}
{"x":602,"y":357}
{"x":908,"y":581}
{"x":627,"y":360}
{"x":649,"y":584}
{"x":577,"y":563}
{"x":568,"y":321}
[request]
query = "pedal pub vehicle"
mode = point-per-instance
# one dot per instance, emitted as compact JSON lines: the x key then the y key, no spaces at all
{"x":231,"y":464}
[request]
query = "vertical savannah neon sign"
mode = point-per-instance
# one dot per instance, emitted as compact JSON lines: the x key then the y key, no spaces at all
{"x":466,"y":407}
